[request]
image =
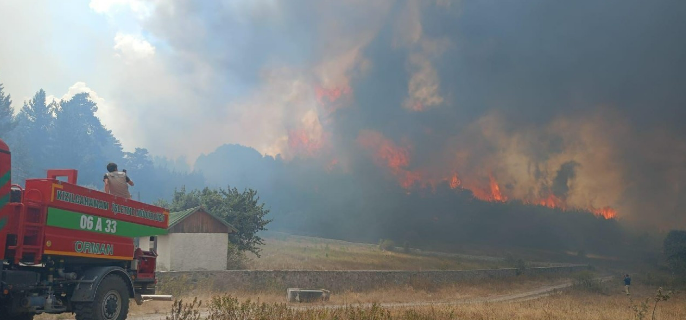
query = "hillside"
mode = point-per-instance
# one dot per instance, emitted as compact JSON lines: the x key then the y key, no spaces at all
{"x":291,"y":252}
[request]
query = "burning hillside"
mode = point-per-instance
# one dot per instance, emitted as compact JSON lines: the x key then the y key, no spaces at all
{"x":501,"y":103}
{"x":397,"y":161}
{"x":412,"y":127}
{"x":544,"y":166}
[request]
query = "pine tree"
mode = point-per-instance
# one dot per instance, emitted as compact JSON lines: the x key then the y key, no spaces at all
{"x":83,"y":142}
{"x":33,"y":135}
{"x":7,"y":121}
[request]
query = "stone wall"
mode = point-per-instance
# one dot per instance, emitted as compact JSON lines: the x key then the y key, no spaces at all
{"x":336,"y":281}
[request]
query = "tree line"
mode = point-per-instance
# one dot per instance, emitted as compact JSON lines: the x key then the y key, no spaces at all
{"x":68,"y":134}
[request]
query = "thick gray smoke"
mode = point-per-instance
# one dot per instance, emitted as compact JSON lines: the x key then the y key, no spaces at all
{"x":564,"y":176}
{"x":578,"y":103}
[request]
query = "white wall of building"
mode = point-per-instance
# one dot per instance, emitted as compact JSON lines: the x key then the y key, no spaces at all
{"x":192,"y":251}
{"x":163,"y":253}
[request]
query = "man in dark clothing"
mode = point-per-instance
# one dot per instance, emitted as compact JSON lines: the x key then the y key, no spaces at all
{"x":117,"y":183}
{"x":627,"y":283}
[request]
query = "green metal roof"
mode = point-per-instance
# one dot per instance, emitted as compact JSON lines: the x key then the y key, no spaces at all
{"x":176,"y":217}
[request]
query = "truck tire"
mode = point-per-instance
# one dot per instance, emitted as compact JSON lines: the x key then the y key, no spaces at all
{"x":111,"y":301}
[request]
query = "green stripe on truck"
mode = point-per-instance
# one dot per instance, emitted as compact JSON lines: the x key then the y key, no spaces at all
{"x":5,"y":178}
{"x":4,"y":199}
{"x":79,"y":221}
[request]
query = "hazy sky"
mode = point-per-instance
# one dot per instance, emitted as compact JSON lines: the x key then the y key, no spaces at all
{"x":150,"y":93}
{"x":184,"y":77}
{"x":70,"y":47}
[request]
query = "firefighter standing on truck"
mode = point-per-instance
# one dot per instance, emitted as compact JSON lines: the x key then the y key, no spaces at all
{"x":116,"y":182}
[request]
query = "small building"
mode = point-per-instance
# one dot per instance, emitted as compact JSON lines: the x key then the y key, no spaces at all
{"x":195,"y":240}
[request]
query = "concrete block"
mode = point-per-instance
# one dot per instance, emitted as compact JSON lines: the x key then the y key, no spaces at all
{"x":307,"y":295}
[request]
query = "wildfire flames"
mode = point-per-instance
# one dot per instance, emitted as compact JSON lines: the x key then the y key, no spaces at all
{"x":331,"y":99}
{"x":388,"y":154}
{"x":606,"y":212}
{"x":550,"y":201}
{"x":398,"y":158}
{"x":491,"y":192}
{"x":309,"y":140}
{"x":454,"y":181}
{"x":302,"y":143}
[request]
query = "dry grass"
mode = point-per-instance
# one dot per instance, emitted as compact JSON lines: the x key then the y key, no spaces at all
{"x":567,"y":305}
{"x":572,"y":303}
{"x":415,"y":292}
{"x":444,"y":294}
{"x":418,"y":292}
{"x":288,"y":252}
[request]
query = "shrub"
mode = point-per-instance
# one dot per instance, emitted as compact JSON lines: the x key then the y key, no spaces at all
{"x":386,"y":245}
{"x":641,"y":310}
{"x":235,"y":259}
{"x":517,"y":263}
{"x":229,"y":308}
{"x":185,"y":311}
{"x":587,"y":281}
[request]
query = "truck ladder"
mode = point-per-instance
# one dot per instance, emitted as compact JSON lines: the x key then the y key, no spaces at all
{"x":32,"y":218}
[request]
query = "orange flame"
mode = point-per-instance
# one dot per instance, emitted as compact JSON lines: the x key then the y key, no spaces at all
{"x":302,"y":143}
{"x":454,"y":182}
{"x":489,"y":193}
{"x":330,"y":94}
{"x":551,"y":201}
{"x":495,"y":190}
{"x":388,"y":154}
{"x":492,"y":193}
{"x":397,"y":158}
{"x":605,"y":212}
{"x":330,"y":100}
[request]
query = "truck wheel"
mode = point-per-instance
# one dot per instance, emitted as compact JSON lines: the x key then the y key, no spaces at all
{"x":111,"y":301}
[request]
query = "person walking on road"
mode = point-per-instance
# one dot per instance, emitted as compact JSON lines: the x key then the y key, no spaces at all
{"x":627,"y":283}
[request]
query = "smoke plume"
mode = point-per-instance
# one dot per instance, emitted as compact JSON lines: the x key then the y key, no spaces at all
{"x":573,"y":105}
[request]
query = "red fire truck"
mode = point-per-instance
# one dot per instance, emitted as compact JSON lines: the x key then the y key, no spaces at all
{"x":66,"y":248}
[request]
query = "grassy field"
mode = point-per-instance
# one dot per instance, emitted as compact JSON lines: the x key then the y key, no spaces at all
{"x":417,"y":293}
{"x":575,"y":303}
{"x":477,"y":300}
{"x":290,"y":252}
